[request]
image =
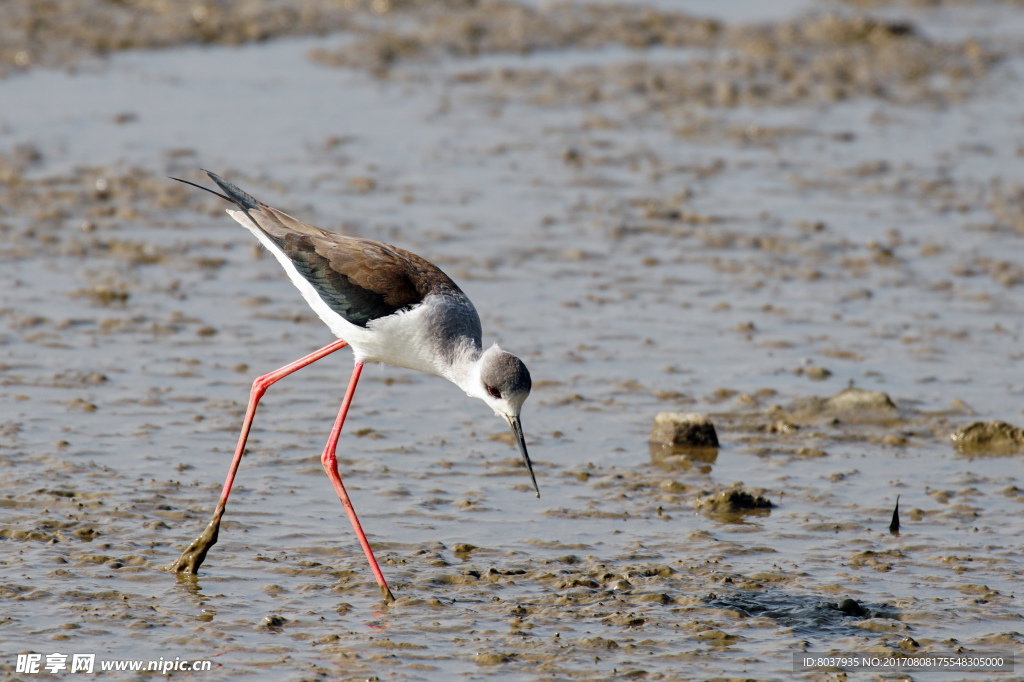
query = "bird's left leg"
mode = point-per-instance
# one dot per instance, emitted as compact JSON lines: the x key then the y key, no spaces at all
{"x":330,"y":462}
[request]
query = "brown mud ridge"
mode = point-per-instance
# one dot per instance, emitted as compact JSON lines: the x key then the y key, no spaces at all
{"x":55,"y":32}
{"x":815,"y":58}
{"x":60,"y":32}
{"x":819,"y":58}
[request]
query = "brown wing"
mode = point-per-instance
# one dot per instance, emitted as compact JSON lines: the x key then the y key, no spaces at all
{"x":360,"y":279}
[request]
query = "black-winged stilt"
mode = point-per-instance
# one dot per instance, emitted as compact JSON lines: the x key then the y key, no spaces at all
{"x":390,"y":306}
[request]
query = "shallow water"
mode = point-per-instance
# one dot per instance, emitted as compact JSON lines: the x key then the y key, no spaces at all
{"x":639,"y":258}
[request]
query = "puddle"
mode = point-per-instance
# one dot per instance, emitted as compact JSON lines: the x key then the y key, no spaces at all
{"x":746,"y":254}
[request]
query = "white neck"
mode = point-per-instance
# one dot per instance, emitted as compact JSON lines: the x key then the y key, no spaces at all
{"x":464,"y":371}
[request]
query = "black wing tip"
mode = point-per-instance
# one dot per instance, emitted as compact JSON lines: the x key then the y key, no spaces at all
{"x":244,"y":200}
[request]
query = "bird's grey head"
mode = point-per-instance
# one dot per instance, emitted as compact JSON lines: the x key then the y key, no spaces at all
{"x":505,"y":386}
{"x":505,"y":381}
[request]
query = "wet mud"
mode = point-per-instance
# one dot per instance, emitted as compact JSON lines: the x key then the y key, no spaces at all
{"x":70,"y":32}
{"x":804,"y":230}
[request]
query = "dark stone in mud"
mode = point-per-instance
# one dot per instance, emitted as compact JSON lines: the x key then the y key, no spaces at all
{"x":684,"y":429}
{"x":803,"y":614}
{"x":735,"y":500}
{"x":909,"y":644}
{"x":490,"y":658}
{"x":994,"y":436}
{"x":852,"y":607}
{"x":739,"y":499}
{"x":272,"y":622}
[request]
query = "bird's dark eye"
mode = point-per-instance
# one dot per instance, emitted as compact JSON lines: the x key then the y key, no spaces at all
{"x":494,"y":392}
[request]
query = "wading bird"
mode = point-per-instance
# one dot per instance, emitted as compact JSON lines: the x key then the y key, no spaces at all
{"x":390,"y":306}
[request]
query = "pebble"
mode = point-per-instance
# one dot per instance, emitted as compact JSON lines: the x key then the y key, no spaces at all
{"x":852,"y":607}
{"x":272,"y":622}
{"x":684,"y":428}
{"x":860,"y":400}
{"x":734,"y":500}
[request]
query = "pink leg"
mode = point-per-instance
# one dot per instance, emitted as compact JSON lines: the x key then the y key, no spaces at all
{"x":192,"y":558}
{"x":330,"y":462}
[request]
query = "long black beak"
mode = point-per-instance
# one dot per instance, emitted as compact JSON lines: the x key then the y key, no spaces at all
{"x":517,"y":429}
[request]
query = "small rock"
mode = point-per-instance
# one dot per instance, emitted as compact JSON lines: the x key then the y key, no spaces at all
{"x":670,"y":486}
{"x":859,"y":400}
{"x":909,"y":644}
{"x":735,"y":500}
{"x":780,"y":426}
{"x":995,"y":435}
{"x":82,"y":404}
{"x":487,"y":658}
{"x":599,"y":643}
{"x":815,"y":373}
{"x":272,"y":622}
{"x":852,"y":607}
{"x":327,"y":639}
{"x":684,"y":428}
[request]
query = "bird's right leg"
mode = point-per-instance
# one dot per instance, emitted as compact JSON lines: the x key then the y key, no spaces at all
{"x":192,"y":558}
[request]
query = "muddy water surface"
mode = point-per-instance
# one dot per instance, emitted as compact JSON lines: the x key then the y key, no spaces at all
{"x":667,"y":214}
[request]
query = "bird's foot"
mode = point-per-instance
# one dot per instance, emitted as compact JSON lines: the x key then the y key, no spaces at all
{"x":194,"y":555}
